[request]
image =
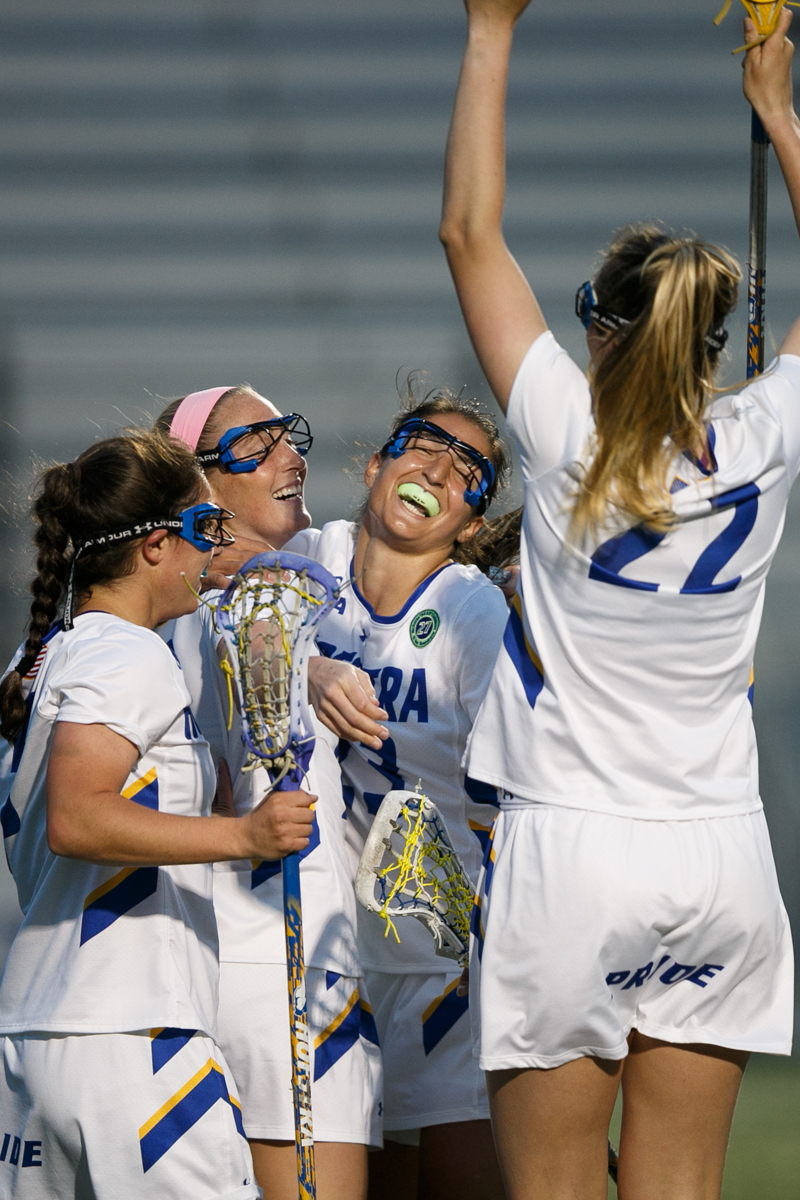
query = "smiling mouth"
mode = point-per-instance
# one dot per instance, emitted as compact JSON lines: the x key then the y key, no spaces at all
{"x":292,"y":492}
{"x":417,"y":500}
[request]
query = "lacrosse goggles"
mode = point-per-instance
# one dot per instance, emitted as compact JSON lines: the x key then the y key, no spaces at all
{"x":201,"y":526}
{"x":589,"y":313}
{"x":473,"y":468}
{"x":244,"y":447}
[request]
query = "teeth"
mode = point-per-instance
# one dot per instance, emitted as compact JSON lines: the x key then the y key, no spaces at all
{"x":288,"y":493}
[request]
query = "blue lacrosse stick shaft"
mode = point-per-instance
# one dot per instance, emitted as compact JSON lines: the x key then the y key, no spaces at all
{"x":298,"y":1016}
{"x":757,"y":261}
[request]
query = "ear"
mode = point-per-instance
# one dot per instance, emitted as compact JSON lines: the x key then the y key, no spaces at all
{"x":373,"y":466}
{"x":154,"y":546}
{"x":470,"y":529}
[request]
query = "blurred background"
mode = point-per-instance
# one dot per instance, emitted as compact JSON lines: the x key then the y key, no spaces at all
{"x":202,"y":192}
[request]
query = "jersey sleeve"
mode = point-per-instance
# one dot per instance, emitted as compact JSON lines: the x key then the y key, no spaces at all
{"x":475,"y":644}
{"x":781,"y":386}
{"x":131,"y":684}
{"x":549,"y":410}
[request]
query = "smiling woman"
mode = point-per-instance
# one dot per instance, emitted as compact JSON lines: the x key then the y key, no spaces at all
{"x":423,"y":628}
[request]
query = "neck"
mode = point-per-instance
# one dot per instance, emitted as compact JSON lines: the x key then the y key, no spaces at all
{"x":387,"y":575}
{"x":130,"y":603}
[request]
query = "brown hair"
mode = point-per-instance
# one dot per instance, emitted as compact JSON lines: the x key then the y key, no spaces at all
{"x":217,"y":422}
{"x":117,"y":482}
{"x":652,"y":386}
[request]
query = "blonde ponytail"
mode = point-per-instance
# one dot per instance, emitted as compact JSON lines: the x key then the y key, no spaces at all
{"x":652,"y":386}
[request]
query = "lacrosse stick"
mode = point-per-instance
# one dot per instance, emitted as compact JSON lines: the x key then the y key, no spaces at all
{"x":267,"y":616}
{"x":409,"y":868}
{"x":764,"y":14}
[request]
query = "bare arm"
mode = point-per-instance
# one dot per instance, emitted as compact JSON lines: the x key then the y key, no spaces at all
{"x":768,"y":86}
{"x":500,"y":310}
{"x":88,"y":819}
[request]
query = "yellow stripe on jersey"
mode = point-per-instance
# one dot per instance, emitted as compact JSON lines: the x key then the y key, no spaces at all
{"x":108,"y":885}
{"x":138,"y":784}
{"x":211,"y":1065}
{"x":337,"y":1021}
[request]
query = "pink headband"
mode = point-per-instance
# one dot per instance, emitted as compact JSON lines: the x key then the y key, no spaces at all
{"x":192,"y":413}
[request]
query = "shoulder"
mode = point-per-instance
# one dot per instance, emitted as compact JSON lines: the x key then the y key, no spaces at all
{"x":550,"y":407}
{"x":469,"y":596}
{"x":105,"y":647}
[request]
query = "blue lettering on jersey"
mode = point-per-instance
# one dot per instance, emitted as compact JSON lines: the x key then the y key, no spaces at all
{"x":416,"y":698}
{"x":328,"y":650}
{"x":676,"y":973}
{"x":391,"y":683}
{"x":611,"y":556}
{"x":386,"y":766}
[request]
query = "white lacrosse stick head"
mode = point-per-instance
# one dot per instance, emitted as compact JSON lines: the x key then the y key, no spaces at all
{"x":409,"y":868}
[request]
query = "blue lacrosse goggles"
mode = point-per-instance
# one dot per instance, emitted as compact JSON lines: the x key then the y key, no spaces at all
{"x":243,"y":448}
{"x":476,"y":470}
{"x":589,"y":313}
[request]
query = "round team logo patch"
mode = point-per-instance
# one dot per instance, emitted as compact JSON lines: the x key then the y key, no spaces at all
{"x":424,"y":627}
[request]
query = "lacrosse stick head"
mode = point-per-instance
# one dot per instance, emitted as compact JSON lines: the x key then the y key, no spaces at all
{"x":763,"y":13}
{"x":409,"y":868}
{"x":268,"y":615}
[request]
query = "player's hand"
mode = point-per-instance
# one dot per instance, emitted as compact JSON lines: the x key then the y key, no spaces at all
{"x":767,"y":80}
{"x":344,"y":699}
{"x":280,"y":825}
{"x":510,"y":10}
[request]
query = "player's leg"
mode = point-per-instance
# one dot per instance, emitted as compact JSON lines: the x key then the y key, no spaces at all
{"x":678,"y":1104}
{"x":394,"y":1172}
{"x":551,"y":1128}
{"x":459,"y":1162}
{"x":341,"y":1170}
{"x":345,"y":1088}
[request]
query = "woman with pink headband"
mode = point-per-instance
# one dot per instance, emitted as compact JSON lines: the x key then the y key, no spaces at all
{"x":255,"y":462}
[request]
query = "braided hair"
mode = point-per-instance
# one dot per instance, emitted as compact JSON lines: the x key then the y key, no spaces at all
{"x":118,"y":481}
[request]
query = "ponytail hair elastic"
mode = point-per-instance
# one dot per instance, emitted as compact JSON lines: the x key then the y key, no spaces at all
{"x":192,"y":413}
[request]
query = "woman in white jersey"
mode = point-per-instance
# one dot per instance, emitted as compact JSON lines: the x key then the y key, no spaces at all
{"x":426,"y":629}
{"x":113,"y":1083}
{"x":633,"y":925}
{"x":254,"y":459}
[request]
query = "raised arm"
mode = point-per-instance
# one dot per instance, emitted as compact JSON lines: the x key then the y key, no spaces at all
{"x":500,"y":310}
{"x":768,"y":86}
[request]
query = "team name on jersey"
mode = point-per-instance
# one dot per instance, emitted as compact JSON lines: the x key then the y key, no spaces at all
{"x":402,"y":694}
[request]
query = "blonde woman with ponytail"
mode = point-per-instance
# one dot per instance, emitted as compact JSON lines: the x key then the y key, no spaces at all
{"x":629,"y":930}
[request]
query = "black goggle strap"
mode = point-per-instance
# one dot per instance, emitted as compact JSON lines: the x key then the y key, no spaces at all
{"x":70,"y":596}
{"x":102,"y":541}
{"x":591,"y":313}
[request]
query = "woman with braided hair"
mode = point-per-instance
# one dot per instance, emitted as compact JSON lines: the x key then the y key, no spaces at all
{"x":113,"y":1083}
{"x":632,"y":930}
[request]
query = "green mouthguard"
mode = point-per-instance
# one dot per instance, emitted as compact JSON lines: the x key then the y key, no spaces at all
{"x":412,"y":491}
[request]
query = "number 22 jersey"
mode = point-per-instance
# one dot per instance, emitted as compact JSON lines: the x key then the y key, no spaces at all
{"x":624,"y":684}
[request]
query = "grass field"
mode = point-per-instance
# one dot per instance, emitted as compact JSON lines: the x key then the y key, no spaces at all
{"x":764,"y":1155}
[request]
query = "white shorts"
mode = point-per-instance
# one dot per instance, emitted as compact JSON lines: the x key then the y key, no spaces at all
{"x":102,"y":1116}
{"x":594,"y":925}
{"x":430,"y":1075}
{"x":253,"y":1030}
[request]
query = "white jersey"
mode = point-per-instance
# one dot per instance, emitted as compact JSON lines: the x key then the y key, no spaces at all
{"x":103,"y":949}
{"x":430,"y":665}
{"x":248,"y":896}
{"x":624,"y":682}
